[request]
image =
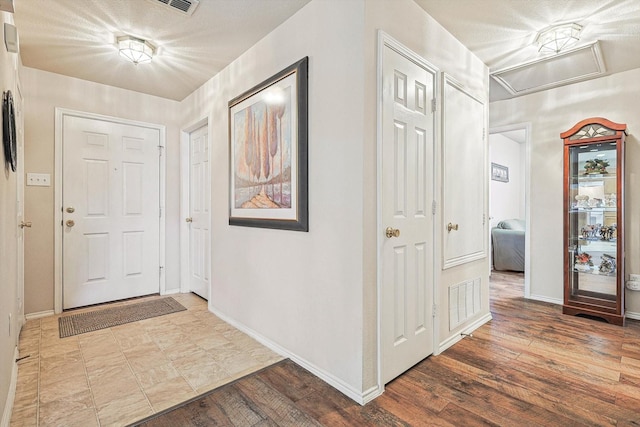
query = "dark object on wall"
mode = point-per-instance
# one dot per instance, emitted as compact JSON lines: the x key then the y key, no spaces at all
{"x":8,"y":131}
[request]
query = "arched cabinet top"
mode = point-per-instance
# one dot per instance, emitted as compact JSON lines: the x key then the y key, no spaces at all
{"x":594,"y":127}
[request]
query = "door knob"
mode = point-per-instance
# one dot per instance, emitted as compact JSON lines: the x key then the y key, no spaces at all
{"x":71,"y":209}
{"x":452,"y":227}
{"x":24,"y":224}
{"x":70,"y":223}
{"x":189,"y":219}
{"x":392,"y":232}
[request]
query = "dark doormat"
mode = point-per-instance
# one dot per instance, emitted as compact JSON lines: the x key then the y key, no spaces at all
{"x":81,"y":323}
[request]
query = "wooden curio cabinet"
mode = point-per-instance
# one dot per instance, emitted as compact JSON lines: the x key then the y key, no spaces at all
{"x":594,"y":219}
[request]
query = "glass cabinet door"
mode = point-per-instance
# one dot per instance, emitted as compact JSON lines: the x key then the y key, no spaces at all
{"x":592,"y":220}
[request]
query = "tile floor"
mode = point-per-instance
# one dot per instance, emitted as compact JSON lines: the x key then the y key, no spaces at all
{"x":119,"y":375}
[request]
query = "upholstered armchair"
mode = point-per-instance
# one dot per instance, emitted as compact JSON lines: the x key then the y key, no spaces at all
{"x":507,"y":240}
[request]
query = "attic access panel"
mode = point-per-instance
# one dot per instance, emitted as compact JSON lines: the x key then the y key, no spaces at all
{"x":572,"y":66}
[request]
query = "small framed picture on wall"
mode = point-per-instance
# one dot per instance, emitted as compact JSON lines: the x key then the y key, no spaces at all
{"x":499,"y":172}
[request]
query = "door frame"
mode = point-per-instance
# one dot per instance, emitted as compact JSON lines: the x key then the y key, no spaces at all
{"x":20,"y":183}
{"x":527,"y":198}
{"x":60,"y":113}
{"x":385,"y":40}
{"x":185,"y":136}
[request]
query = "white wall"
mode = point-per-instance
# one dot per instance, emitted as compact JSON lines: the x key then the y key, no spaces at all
{"x":507,"y":198}
{"x":550,"y":113}
{"x":44,"y":92}
{"x":302,"y":291}
{"x":8,"y":241}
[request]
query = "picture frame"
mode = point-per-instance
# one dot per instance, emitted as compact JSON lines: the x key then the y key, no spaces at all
{"x":268,"y":152}
{"x":499,"y":172}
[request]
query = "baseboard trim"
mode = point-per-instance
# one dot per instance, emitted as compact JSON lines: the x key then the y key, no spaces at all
{"x":466,"y":331}
{"x":546,"y":299}
{"x":39,"y":314}
{"x":632,"y":315}
{"x":371,"y":394}
{"x":8,"y":406}
{"x":172,"y":291}
{"x":335,"y":382}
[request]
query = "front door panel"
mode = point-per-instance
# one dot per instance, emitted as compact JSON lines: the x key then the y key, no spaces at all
{"x":110,"y":211}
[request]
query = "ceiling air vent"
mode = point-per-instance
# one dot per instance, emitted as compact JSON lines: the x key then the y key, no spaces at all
{"x":186,"y":7}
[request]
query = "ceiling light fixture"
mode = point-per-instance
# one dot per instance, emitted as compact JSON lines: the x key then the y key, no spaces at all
{"x":559,"y":37}
{"x":136,"y":50}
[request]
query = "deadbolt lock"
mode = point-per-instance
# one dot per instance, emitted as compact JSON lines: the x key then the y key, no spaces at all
{"x":71,"y":209}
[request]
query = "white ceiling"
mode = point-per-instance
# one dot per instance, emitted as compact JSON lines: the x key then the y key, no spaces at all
{"x":502,"y":32}
{"x":77,"y":37}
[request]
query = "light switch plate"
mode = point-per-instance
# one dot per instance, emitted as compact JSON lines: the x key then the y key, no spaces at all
{"x":39,"y":179}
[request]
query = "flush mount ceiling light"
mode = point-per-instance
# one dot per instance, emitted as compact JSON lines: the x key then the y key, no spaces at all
{"x":559,"y":37}
{"x":135,"y":50}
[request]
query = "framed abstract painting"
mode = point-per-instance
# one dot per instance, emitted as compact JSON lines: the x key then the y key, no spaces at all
{"x":268,"y":149}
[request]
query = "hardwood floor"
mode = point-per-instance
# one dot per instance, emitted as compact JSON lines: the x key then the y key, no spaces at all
{"x":529,"y":366}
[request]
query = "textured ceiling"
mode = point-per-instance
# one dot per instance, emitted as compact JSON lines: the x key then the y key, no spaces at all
{"x":502,"y":32}
{"x":77,"y":38}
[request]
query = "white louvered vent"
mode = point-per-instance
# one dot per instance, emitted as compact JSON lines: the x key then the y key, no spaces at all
{"x":186,"y":7}
{"x":465,"y":301}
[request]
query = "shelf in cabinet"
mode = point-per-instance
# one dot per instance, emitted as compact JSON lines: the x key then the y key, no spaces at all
{"x":594,"y":177}
{"x":594,"y":209}
{"x":595,"y":272}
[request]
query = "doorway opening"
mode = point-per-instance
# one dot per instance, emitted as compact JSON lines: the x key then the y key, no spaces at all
{"x":509,"y":204}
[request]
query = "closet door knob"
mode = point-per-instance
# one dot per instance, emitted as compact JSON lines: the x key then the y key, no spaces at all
{"x":392,"y":232}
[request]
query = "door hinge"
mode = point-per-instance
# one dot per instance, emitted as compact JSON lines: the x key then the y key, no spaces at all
{"x":160,"y":269}
{"x":433,"y":207}
{"x":160,"y":213}
{"x":160,"y":148}
{"x":434,"y":310}
{"x":484,"y":218}
{"x":433,"y":105}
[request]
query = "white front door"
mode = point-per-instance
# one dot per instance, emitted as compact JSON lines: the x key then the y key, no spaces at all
{"x":407,"y":217}
{"x":199,"y":207}
{"x":110,"y":202}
